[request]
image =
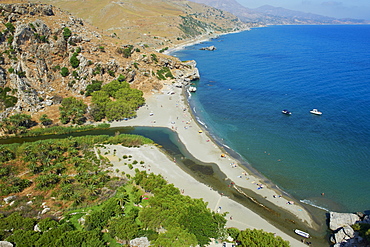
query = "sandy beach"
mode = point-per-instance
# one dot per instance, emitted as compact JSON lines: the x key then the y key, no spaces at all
{"x":169,"y":108}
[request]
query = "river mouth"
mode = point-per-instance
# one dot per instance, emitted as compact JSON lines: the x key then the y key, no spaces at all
{"x":211,"y":175}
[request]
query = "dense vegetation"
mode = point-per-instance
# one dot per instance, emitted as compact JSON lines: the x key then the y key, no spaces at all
{"x":70,"y":173}
{"x":256,"y":238}
{"x":115,"y":101}
{"x":16,"y":124}
{"x":6,"y":100}
{"x":72,"y":110}
{"x":363,"y":229}
{"x":67,"y":168}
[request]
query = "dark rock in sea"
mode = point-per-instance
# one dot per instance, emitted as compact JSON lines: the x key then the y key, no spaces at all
{"x":210,"y":48}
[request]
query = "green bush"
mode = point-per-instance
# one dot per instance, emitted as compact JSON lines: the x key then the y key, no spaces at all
{"x":74,"y":60}
{"x":121,"y":78}
{"x":10,"y":27}
{"x":94,"y":86}
{"x":164,"y":73}
{"x":66,"y":33}
{"x":154,"y":57}
{"x":64,"y":72}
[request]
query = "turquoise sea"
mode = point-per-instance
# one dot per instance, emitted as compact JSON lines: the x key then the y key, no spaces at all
{"x":254,"y":75}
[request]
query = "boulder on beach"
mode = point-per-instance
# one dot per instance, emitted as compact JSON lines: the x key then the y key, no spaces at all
{"x":338,"y":220}
{"x":344,"y":234}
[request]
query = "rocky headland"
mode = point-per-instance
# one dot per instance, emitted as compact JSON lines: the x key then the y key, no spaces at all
{"x":49,"y":54}
{"x":349,"y":229}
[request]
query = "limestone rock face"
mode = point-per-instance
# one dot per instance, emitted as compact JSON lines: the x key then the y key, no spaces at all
{"x":345,"y":233}
{"x":338,"y":220}
{"x":186,"y":74}
{"x":37,"y":46}
{"x":6,"y":244}
{"x":23,"y":34}
{"x":2,"y":77}
{"x":140,"y":242}
{"x":9,"y":199}
{"x":27,"y":96}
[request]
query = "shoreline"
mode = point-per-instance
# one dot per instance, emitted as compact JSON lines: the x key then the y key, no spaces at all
{"x":198,"y":40}
{"x":173,"y":111}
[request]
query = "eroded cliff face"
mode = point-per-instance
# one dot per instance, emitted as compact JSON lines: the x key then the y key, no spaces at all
{"x":48,"y":54}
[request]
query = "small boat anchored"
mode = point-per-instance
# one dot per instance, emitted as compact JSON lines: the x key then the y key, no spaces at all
{"x":192,"y":89}
{"x":316,"y":112}
{"x":302,"y":233}
{"x":286,"y":112}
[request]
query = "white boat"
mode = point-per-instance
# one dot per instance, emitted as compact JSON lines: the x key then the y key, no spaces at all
{"x":192,"y":89}
{"x":302,"y":233}
{"x":316,"y":112}
{"x":286,"y":112}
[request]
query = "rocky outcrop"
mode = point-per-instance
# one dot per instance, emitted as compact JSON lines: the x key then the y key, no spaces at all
{"x":189,"y":72}
{"x":209,"y":48}
{"x":343,"y":235}
{"x":37,"y":48}
{"x":6,"y":244}
{"x":140,"y":242}
{"x":338,"y":220}
{"x":2,"y":77}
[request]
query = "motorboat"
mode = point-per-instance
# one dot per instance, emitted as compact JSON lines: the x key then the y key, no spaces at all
{"x":316,"y":112}
{"x":286,"y":112}
{"x":302,"y":233}
{"x":192,"y":89}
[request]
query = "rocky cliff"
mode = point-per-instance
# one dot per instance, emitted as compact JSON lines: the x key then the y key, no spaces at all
{"x":48,"y":54}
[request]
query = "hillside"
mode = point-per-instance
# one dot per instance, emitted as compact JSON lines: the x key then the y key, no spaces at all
{"x":158,"y":23}
{"x":48,"y":55}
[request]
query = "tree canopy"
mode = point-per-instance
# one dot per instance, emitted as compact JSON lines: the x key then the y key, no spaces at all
{"x":72,"y":110}
{"x":116,"y":101}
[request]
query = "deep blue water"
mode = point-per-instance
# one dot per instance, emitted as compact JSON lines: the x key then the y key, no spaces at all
{"x":253,"y":75}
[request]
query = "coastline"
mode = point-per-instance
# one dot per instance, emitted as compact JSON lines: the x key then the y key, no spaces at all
{"x":198,"y":40}
{"x":172,"y":111}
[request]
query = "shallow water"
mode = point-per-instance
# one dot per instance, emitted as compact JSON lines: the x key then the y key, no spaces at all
{"x":254,"y":75}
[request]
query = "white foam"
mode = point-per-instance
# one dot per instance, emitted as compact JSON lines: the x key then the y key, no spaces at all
{"x":306,"y":201}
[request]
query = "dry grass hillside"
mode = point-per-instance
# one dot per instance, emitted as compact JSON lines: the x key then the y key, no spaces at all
{"x":102,"y":31}
{"x":153,"y":22}
{"x":35,"y":51}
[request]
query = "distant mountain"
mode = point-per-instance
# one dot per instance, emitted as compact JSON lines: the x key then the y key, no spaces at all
{"x":232,"y":6}
{"x":306,"y":18}
{"x":270,"y":15}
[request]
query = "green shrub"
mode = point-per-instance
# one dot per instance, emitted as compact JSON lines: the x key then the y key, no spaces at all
{"x":74,"y":60}
{"x":66,"y":33}
{"x":154,"y":57}
{"x":111,"y":73}
{"x":10,"y":27}
{"x":164,"y":73}
{"x":94,"y":86}
{"x":121,"y":78}
{"x":64,"y":72}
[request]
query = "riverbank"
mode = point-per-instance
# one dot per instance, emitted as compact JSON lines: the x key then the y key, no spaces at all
{"x":169,"y":109}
